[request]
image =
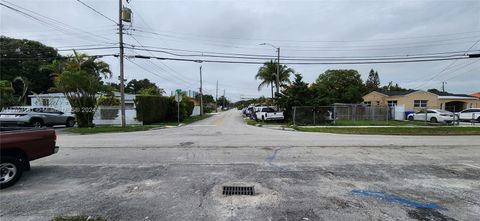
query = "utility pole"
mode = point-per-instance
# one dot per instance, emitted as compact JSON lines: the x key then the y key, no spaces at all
{"x":201,"y":93}
{"x":278,"y":71}
{"x":216,"y":98}
{"x":443,"y":86}
{"x":122,"y":80}
{"x":223,"y":99}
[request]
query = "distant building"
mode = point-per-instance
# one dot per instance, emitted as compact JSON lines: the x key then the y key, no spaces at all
{"x":414,"y":100}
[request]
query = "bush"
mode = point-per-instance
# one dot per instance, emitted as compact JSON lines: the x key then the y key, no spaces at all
{"x":108,"y":101}
{"x":109,"y":107}
{"x":157,"y":109}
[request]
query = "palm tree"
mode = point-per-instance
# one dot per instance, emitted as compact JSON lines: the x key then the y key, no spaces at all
{"x":80,"y":78}
{"x":267,"y":73}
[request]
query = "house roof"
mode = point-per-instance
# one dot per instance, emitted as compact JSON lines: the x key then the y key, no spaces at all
{"x":440,"y":94}
{"x":477,"y":94}
{"x":446,"y":94}
{"x":396,"y":93}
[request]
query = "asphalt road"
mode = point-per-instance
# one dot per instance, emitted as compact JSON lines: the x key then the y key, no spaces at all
{"x":178,"y":174}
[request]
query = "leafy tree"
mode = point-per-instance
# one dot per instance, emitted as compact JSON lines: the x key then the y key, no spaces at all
{"x":207,"y":98}
{"x":223,"y":100}
{"x":295,"y":94}
{"x":434,"y":90}
{"x":80,"y":80}
{"x":393,"y":87}
{"x":151,"y":90}
{"x":267,"y":73}
{"x":338,"y":86}
{"x":6,"y":94}
{"x":373,"y":81}
{"x":23,"y":59}
{"x":135,"y":86}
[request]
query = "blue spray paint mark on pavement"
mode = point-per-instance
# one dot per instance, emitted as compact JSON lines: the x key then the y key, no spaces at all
{"x":397,"y":199}
{"x":273,"y":157}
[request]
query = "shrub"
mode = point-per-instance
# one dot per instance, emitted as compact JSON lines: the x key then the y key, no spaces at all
{"x":157,"y":109}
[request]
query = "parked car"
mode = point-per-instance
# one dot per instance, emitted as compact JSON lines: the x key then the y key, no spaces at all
{"x":253,"y":112}
{"x":432,"y":115}
{"x":248,"y":111}
{"x":268,"y":113}
{"x":19,"y":146}
{"x":35,"y":116}
{"x":469,"y":115}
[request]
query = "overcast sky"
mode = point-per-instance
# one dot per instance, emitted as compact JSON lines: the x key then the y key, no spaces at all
{"x":300,"y":28}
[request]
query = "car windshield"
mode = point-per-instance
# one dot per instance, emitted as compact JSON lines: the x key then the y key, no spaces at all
{"x":233,"y":110}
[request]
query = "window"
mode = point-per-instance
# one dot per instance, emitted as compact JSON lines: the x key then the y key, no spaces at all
{"x":392,"y":103}
{"x":368,"y":103}
{"x":420,"y":103}
{"x":45,"y":101}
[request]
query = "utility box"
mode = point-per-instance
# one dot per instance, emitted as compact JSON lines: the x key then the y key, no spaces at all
{"x":126,"y":15}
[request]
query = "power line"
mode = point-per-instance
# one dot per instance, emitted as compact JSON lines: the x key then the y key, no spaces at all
{"x":59,"y":26}
{"x":308,"y":41}
{"x":302,"y":63}
{"x":160,"y":62}
{"x":253,"y":57}
{"x":204,"y":53}
{"x":53,"y":57}
{"x":448,"y":66}
{"x":88,"y":6}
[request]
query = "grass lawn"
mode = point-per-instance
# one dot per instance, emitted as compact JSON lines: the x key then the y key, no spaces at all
{"x":131,"y":128}
{"x":378,"y":123}
{"x":396,"y":130}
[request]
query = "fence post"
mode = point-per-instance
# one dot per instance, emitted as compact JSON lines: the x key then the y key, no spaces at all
{"x":334,"y":114}
{"x":294,"y":112}
{"x":388,"y":110}
{"x":313,"y":116}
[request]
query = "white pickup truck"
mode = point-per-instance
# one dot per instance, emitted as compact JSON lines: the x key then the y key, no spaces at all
{"x":268,"y":113}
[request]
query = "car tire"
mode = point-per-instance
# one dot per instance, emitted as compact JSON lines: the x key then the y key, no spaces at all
{"x":11,"y":170}
{"x":433,"y":120}
{"x":36,"y":123}
{"x":410,"y":118}
{"x":70,"y":122}
{"x":263,"y":118}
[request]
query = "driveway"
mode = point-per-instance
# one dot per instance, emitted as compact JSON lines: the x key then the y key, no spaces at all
{"x":178,"y":174}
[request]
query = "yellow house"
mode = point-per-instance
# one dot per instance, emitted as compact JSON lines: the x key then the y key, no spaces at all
{"x":414,"y":100}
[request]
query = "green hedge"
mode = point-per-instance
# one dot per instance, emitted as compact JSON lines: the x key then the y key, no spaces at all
{"x":157,"y":109}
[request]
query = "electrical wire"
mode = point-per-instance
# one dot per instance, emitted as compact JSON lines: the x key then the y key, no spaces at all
{"x":302,"y":63}
{"x":59,"y":26}
{"x":88,"y":6}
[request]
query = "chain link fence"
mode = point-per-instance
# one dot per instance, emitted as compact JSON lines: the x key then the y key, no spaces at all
{"x":360,"y":115}
{"x":341,"y":114}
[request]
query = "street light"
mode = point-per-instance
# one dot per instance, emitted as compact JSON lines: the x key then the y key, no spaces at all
{"x":278,"y":65}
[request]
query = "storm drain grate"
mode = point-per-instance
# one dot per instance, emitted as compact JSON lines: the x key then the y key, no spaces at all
{"x":238,"y":190}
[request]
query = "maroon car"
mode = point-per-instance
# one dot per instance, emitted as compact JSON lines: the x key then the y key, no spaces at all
{"x":19,"y":146}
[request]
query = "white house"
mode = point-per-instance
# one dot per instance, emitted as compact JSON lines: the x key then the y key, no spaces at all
{"x":60,"y":102}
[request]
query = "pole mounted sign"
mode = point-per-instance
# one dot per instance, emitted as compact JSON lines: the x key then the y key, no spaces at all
{"x":178,"y":98}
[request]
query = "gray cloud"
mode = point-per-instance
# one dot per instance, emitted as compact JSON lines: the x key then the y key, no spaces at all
{"x":368,"y":27}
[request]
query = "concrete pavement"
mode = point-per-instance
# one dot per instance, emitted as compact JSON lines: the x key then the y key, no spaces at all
{"x":177,"y":174}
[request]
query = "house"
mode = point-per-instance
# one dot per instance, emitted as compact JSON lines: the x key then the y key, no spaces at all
{"x":60,"y":102}
{"x":477,"y":94}
{"x":414,"y":100}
